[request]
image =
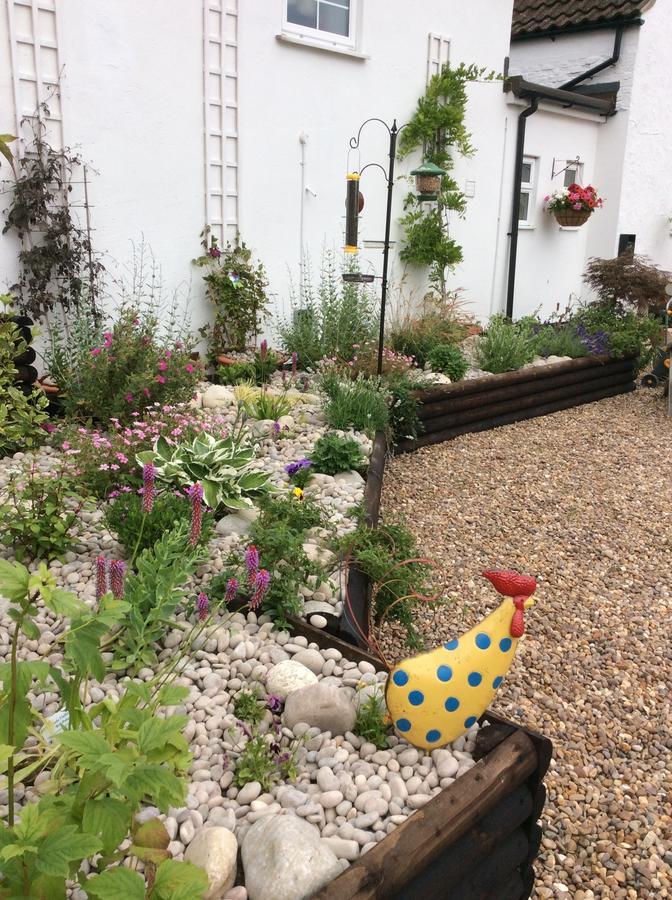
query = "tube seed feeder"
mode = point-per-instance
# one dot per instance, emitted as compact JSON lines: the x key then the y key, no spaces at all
{"x":353,"y":199}
{"x":428,"y":181}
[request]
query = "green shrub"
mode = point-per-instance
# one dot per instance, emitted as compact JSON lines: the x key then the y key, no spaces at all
{"x":560,"y":340}
{"x":360,"y":404}
{"x":448,"y":359}
{"x":236,"y":373}
{"x":404,"y":419}
{"x":330,"y":319}
{"x":505,"y":346}
{"x":371,"y":724}
{"x":124,"y":516}
{"x":441,"y":320}
{"x":627,"y":333}
{"x":334,"y":453}
{"x":263,"y":405}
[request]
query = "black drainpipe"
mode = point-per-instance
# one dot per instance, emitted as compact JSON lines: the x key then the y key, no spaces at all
{"x":613,"y":59}
{"x":515,"y":212}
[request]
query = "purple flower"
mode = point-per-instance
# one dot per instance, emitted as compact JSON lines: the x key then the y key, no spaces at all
{"x":274,"y":703}
{"x":101,"y":576}
{"x":261,"y":582}
{"x":294,"y":362}
{"x":196,"y":494}
{"x":148,"y":477}
{"x":263,"y":350}
{"x":295,"y":467}
{"x":214,"y":252}
{"x":117,"y":571}
{"x":231,"y":590}
{"x":276,"y":428}
{"x":203,"y":606}
{"x":244,"y":728}
{"x":251,"y":562}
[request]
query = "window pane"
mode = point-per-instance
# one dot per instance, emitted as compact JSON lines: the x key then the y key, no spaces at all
{"x":524,"y":207}
{"x":570,"y":176}
{"x":526,"y":177}
{"x":302,"y":12}
{"x":335,"y":19}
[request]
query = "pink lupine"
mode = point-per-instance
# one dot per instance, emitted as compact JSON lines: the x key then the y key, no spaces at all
{"x":148,"y":491}
{"x":101,"y":577}
{"x":294,"y":362}
{"x":231,"y":590}
{"x":251,"y":563}
{"x":117,"y":572}
{"x":261,"y":582}
{"x":203,"y":606}
{"x":196,"y":494}
{"x":263,"y":350}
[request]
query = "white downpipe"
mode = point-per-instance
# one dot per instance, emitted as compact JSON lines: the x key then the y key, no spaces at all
{"x":303,"y":140}
{"x":499,"y":219}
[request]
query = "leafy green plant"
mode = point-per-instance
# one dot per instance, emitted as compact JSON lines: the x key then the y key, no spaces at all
{"x":334,"y":453}
{"x":440,"y":320}
{"x":627,"y":333}
{"x":38,"y":512}
{"x":237,"y":373}
{"x":21,"y":416}
{"x":404,"y":419}
{"x":360,"y":404}
{"x":128,"y":371}
{"x":265,"y":363}
{"x":372,"y":720}
{"x":264,"y":405}
{"x":448,"y":359}
{"x":505,"y":346}
{"x":220,"y":465}
{"x":628,"y":282}
{"x":438,"y":127}
{"x":328,"y":320}
{"x":389,"y":556}
{"x":249,"y":707}
{"x":561,"y":340}
{"x":124,"y":517}
{"x":153,"y":593}
{"x":237,"y":289}
{"x":263,"y":757}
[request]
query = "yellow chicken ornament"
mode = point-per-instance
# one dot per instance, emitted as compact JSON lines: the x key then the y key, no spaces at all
{"x":435,"y":697}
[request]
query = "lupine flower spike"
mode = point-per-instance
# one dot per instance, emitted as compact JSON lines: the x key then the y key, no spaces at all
{"x":231,"y":590}
{"x":196,"y":494}
{"x":148,"y":477}
{"x":117,"y":571}
{"x":203,"y":606}
{"x":101,"y":577}
{"x":261,"y":582}
{"x":294,"y":362}
{"x":251,"y":563}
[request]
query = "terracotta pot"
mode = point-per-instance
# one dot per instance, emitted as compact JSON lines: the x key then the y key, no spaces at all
{"x":227,"y":360}
{"x":571,"y":218}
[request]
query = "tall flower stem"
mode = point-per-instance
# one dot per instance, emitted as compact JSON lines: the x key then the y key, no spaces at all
{"x":13,"y":688}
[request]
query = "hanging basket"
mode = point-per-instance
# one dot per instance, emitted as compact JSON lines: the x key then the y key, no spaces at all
{"x":572,"y":218}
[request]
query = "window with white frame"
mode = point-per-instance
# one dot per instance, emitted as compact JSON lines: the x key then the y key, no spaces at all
{"x":438,"y":53}
{"x":327,"y":21}
{"x":528,"y":181}
{"x":572,"y":172}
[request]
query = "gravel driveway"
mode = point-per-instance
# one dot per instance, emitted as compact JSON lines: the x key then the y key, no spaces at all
{"x":583,"y":500}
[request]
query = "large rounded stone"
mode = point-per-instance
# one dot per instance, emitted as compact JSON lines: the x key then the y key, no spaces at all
{"x":324,"y":706}
{"x":215,"y":851}
{"x":217,"y":395}
{"x":311,"y":659}
{"x":285,"y":859}
{"x":288,"y":676}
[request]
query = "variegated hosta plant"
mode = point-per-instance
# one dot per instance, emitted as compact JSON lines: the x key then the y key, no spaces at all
{"x":221,"y":465}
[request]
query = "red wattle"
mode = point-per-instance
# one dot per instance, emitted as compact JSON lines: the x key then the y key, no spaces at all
{"x":518,"y":620}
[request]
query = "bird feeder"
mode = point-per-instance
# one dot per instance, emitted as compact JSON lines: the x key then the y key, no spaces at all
{"x":352,"y":209}
{"x":428,"y":181}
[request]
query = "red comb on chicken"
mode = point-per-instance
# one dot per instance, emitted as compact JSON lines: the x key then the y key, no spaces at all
{"x":519,"y":588}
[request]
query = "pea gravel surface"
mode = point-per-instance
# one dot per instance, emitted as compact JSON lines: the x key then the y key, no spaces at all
{"x":583,"y":500}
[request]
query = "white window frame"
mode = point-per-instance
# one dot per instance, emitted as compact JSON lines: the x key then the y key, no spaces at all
{"x":530,"y":188}
{"x":436,"y":61}
{"x":572,"y":166}
{"x":327,"y":39}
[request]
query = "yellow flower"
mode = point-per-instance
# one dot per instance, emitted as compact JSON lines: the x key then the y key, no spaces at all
{"x":298,"y":493}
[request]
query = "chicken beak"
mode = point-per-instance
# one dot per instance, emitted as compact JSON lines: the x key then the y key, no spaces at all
{"x":529,"y":602}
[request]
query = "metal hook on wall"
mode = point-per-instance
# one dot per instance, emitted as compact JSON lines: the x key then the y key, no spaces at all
{"x":574,"y":162}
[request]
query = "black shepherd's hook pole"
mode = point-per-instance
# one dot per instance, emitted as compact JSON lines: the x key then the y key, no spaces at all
{"x":389,"y":175}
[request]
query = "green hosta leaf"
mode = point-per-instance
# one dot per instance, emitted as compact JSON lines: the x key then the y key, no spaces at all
{"x":116,"y":884}
{"x":253,"y":481}
{"x":156,"y":733}
{"x":237,"y":502}
{"x":211,"y":493}
{"x":13,"y":581}
{"x":145,"y":457}
{"x":179,"y":881}
{"x":107,"y":819}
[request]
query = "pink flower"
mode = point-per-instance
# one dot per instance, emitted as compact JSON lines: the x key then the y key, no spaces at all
{"x":196,"y":494}
{"x":251,"y":562}
{"x":101,"y":577}
{"x":162,"y":365}
{"x":189,"y":368}
{"x":261,"y":583}
{"x":231,"y":590}
{"x":294,"y":362}
{"x":117,"y":570}
{"x":107,"y":339}
{"x":128,"y":398}
{"x":145,"y":391}
{"x":122,"y":458}
{"x":148,"y":477}
{"x":263,"y":350}
{"x":49,"y":428}
{"x":103,"y":467}
{"x":95,"y":351}
{"x":203,"y":606}
{"x":160,"y":379}
{"x":65,"y":445}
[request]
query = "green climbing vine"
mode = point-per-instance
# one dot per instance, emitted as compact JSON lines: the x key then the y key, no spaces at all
{"x":437,"y":126}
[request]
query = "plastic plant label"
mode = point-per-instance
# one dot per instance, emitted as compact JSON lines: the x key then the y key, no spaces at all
{"x":60,"y":721}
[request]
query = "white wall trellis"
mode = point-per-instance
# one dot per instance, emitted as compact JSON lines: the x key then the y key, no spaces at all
{"x":220,"y":106}
{"x":35,"y":65}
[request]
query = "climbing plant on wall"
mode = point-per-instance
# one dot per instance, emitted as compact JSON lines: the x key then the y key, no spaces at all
{"x":59,"y":271}
{"x":437,"y":127}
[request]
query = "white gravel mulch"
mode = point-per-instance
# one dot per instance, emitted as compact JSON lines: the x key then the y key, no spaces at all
{"x":583,"y":500}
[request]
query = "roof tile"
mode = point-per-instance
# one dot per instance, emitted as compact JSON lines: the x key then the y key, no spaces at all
{"x":530,"y":16}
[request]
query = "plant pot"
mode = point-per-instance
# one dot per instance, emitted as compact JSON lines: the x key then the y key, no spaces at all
{"x":572,"y":218}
